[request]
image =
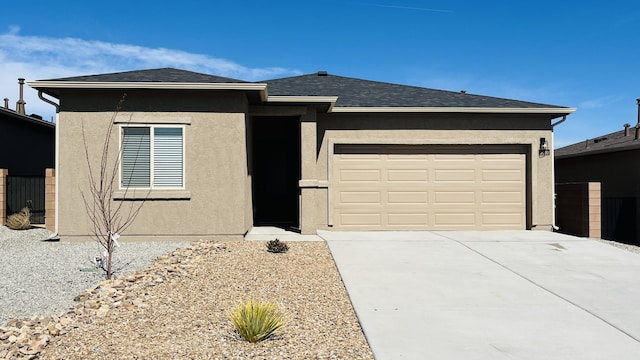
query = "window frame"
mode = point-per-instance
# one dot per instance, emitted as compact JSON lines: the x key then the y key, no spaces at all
{"x":151,"y":188}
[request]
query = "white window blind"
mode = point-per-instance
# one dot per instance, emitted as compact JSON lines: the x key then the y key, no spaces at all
{"x":152,"y":157}
{"x":167,"y":157}
{"x":136,"y":157}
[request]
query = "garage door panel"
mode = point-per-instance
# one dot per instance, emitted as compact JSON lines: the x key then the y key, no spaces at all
{"x":503,"y":176}
{"x":423,"y":188}
{"x":456,"y":219}
{"x":367,"y":157}
{"x":455,"y":197}
{"x":455,"y":175}
{"x":360,"y":175}
{"x":448,"y":158}
{"x":404,"y":219}
{"x":407,"y":197}
{"x":360,"y":220}
{"x":407,"y":157}
{"x":407,"y":175}
{"x":360,"y":197}
{"x":503,"y":219}
{"x":503,"y":197}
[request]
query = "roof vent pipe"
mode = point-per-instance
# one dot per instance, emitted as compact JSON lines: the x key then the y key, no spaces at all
{"x":20,"y":103}
{"x":6,"y":103}
{"x":637,"y":132}
{"x":626,"y":129}
{"x":638,"y":101}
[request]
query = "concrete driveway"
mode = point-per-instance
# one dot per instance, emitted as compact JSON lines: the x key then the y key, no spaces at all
{"x":491,"y":295}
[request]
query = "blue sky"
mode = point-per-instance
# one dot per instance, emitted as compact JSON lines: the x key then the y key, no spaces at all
{"x":577,"y":54}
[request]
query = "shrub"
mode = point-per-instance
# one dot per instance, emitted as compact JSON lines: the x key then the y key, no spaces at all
{"x":277,"y":246}
{"x":256,"y":321}
{"x":20,"y":220}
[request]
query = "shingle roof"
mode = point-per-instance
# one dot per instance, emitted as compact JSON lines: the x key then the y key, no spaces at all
{"x":615,"y":141}
{"x":353,"y":92}
{"x":35,"y":119}
{"x":168,"y":75}
{"x":350,"y":92}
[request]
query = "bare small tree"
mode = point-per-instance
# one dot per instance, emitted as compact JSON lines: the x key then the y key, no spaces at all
{"x":109,"y":218}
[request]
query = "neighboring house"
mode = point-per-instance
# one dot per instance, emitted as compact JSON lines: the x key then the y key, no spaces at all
{"x":310,"y":152}
{"x":612,"y":160}
{"x":27,"y":149}
{"x":26,"y":142}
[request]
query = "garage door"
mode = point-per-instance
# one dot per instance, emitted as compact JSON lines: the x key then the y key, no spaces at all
{"x":375,"y":187}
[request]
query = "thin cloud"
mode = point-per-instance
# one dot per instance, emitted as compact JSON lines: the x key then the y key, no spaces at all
{"x":40,"y":57}
{"x":599,"y":102}
{"x":403,"y":7}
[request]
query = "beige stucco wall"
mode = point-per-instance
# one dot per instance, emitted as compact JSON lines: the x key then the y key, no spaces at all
{"x":440,"y":129}
{"x":216,"y":201}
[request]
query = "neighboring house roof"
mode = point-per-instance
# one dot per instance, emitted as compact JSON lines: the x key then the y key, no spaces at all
{"x":34,"y":119}
{"x":616,"y":141}
{"x":153,"y":75}
{"x":341,"y":94}
{"x":353,"y":92}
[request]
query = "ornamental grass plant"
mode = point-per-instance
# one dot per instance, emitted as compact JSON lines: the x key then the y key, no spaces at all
{"x":20,"y":220}
{"x":256,"y":321}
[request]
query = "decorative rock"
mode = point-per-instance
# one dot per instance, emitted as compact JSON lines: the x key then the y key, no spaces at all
{"x":102,"y":312}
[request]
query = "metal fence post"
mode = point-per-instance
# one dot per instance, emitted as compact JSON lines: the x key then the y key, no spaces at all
{"x":3,"y":195}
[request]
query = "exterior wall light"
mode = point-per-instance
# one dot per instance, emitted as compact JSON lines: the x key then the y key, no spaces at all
{"x":544,"y":148}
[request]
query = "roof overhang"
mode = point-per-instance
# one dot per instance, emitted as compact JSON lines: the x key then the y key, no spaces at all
{"x":480,"y":110}
{"x":599,"y":151}
{"x":50,"y":86}
{"x":330,"y":100}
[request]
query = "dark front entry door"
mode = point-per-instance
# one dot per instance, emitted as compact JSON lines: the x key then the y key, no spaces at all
{"x":276,"y":171}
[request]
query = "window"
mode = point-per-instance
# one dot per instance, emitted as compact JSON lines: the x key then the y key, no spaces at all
{"x":152,"y":157}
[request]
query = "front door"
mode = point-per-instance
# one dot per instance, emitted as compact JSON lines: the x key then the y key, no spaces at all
{"x":276,"y":171}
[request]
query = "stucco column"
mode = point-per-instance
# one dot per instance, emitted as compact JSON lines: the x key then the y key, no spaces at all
{"x":543,"y":202}
{"x":308,"y":179}
{"x":3,"y":195}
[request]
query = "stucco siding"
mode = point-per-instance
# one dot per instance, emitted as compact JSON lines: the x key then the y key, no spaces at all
{"x":216,"y":196}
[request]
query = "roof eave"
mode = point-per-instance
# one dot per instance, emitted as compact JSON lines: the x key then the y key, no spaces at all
{"x":331,"y":100}
{"x":481,"y":110}
{"x":599,"y":151}
{"x":28,"y":118}
{"x":51,"y":85}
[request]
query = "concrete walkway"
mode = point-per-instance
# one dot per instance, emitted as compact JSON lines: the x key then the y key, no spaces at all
{"x":491,"y":295}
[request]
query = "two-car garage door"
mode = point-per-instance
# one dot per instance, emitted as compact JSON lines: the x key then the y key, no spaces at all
{"x":405,"y":187}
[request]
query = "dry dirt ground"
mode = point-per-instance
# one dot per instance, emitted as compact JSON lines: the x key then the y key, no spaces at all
{"x":179,"y":308}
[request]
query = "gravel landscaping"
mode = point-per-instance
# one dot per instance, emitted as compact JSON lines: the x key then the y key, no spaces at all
{"x":179,"y":307}
{"x":39,"y":277}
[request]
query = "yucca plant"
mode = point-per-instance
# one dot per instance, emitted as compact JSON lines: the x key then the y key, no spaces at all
{"x":256,"y":321}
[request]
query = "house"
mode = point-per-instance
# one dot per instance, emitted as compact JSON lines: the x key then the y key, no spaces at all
{"x":218,"y":156}
{"x":27,"y":150}
{"x":610,"y":160}
{"x":26,"y":141}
